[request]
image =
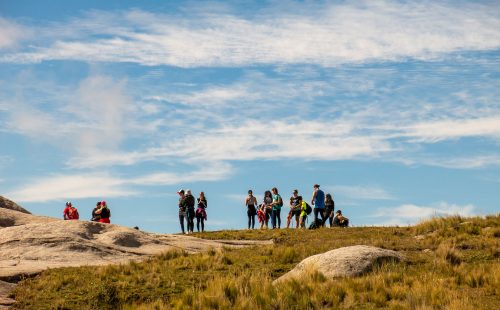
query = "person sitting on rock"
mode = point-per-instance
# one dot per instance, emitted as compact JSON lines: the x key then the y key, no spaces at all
{"x":339,"y":220}
{"x":96,"y":217}
{"x":104,"y":213}
{"x":70,"y":212}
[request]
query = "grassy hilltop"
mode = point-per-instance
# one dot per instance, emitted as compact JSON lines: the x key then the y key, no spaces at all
{"x":452,"y":263}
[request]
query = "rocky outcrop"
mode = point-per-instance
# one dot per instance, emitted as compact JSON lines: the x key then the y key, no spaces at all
{"x":11,"y":205}
{"x":343,"y":262}
{"x":5,"y":290}
{"x":30,"y":244}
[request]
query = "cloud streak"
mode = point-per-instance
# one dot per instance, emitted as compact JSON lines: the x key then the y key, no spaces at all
{"x":361,"y":192}
{"x":12,"y":33}
{"x":407,"y":214}
{"x":326,"y":35}
{"x":95,"y":185}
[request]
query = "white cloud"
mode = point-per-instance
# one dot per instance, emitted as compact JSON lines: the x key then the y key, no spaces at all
{"x":94,"y":116}
{"x":249,"y":141}
{"x":12,"y":33}
{"x":410,"y":214}
{"x":237,"y":198}
{"x":325,"y":35}
{"x":71,"y":187}
{"x":361,"y":192}
{"x":104,"y":109}
{"x":95,"y":185}
{"x":433,"y":131}
{"x":465,"y":162}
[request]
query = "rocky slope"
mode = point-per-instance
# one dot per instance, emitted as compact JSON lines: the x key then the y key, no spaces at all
{"x":30,"y":244}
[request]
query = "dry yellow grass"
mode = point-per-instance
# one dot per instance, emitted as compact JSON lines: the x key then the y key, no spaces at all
{"x":452,"y":263}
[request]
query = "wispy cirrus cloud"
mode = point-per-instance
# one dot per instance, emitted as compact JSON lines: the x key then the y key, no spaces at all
{"x":12,"y":33}
{"x":325,"y":35}
{"x":361,"y":192}
{"x":93,"y":116}
{"x":94,"y":185}
{"x":434,"y":131}
{"x":407,"y":214}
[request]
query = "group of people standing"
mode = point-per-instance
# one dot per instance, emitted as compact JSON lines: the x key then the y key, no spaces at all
{"x":271,"y":205}
{"x":187,"y":210}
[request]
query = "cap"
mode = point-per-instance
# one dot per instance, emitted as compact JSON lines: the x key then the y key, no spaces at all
{"x":180,"y":191}
{"x":68,"y":203}
{"x":316,"y":186}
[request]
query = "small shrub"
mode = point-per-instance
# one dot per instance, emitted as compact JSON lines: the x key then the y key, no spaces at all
{"x":287,"y":256}
{"x":449,"y":254}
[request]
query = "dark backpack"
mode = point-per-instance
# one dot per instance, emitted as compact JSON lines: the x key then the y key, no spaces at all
{"x":105,"y":213}
{"x":308,"y":209}
{"x":316,"y":224}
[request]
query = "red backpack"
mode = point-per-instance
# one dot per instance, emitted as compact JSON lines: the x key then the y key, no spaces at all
{"x":73,"y":214}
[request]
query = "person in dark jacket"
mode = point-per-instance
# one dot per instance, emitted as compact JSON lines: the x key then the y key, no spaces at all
{"x":182,"y":208}
{"x":340,"y":220}
{"x":190,"y":214}
{"x":329,"y":208}
{"x":104,"y":213}
{"x":96,"y":217}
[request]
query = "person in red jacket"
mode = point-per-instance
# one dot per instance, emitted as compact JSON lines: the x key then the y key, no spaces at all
{"x":70,"y":212}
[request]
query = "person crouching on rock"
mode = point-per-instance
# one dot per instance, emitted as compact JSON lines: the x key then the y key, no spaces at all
{"x":96,"y":217}
{"x":70,"y":212}
{"x":340,"y":220}
{"x":104,"y":213}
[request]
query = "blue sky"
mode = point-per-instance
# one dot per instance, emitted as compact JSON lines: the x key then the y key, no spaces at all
{"x":391,"y":106}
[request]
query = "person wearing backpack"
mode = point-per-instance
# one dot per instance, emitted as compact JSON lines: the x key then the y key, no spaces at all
{"x":201,"y":213}
{"x":318,"y":200}
{"x":276,"y":209}
{"x":70,"y":212}
{"x":104,"y":213}
{"x":303,"y":214}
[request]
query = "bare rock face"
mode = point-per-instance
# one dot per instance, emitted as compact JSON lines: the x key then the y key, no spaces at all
{"x":5,"y":289}
{"x":343,"y":262}
{"x":30,"y":244}
{"x":11,"y":205}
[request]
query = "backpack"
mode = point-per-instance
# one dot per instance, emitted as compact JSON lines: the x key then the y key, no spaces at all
{"x":73,"y":214}
{"x":280,"y":202}
{"x":316,"y":224}
{"x":105,"y":213}
{"x":308,"y":209}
